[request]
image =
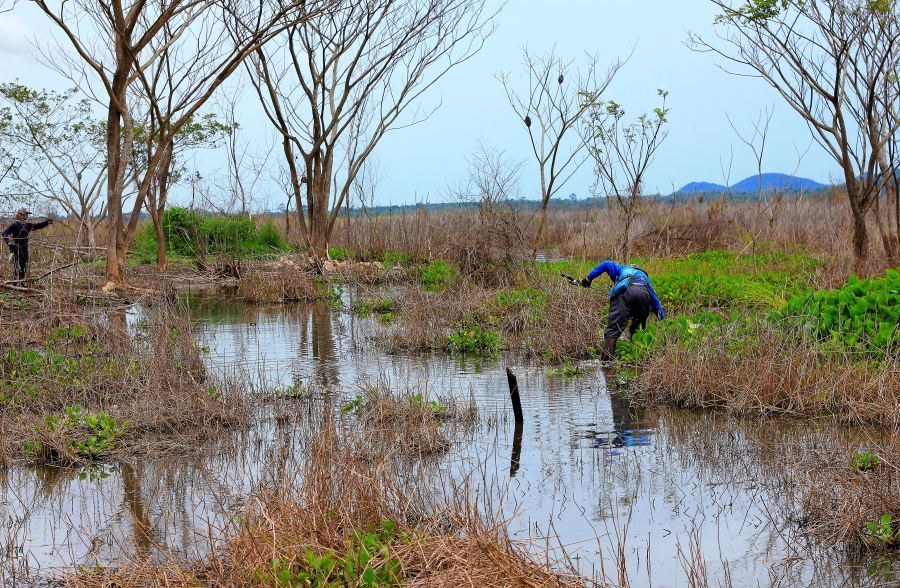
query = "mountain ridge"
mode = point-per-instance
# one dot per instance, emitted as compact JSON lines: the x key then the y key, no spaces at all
{"x":770,"y":182}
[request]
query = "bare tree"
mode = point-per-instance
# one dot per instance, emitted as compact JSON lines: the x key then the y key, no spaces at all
{"x":623,"y":152}
{"x":550,"y":108}
{"x":813,"y":53}
{"x":124,"y":45}
{"x":492,"y":248}
{"x":874,"y":75}
{"x":53,"y":151}
{"x":334,"y":85}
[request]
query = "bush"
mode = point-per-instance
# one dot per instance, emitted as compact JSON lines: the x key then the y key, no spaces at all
{"x":189,"y":233}
{"x":270,"y":237}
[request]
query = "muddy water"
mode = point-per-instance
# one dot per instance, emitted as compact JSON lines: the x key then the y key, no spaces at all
{"x":672,"y":492}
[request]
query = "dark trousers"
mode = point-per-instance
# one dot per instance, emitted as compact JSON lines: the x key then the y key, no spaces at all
{"x":20,"y":261}
{"x":630,"y":305}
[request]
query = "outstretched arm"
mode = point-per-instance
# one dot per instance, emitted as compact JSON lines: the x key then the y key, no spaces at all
{"x":40,"y":225}
{"x":607,"y":267}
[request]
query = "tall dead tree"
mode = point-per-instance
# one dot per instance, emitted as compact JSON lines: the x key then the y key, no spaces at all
{"x":550,"y":107}
{"x":814,"y":54}
{"x":120,"y":44}
{"x":335,"y":84}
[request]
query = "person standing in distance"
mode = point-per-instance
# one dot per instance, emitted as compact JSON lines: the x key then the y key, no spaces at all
{"x":16,"y":238}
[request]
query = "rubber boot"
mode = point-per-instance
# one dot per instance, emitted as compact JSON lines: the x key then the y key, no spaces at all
{"x":609,"y":348}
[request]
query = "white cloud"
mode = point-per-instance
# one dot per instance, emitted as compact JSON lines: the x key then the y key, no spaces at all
{"x":14,"y":35}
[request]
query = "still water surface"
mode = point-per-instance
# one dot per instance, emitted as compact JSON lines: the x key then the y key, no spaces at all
{"x":586,"y":467}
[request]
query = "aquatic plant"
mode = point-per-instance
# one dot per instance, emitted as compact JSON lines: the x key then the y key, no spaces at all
{"x":474,"y":340}
{"x":864,"y":461}
{"x":862,"y":317}
{"x":437,"y":275}
{"x":79,"y":435}
{"x":883,"y":531}
{"x":366,"y":560}
{"x":567,"y":370}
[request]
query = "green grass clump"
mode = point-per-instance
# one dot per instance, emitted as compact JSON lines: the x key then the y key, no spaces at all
{"x":862,"y":317}
{"x":693,"y":291}
{"x":474,"y":340}
{"x":365,"y":561}
{"x":395,"y":259}
{"x":437,"y":275}
{"x":365,"y":307}
{"x":713,"y":279}
{"x":338,"y":254}
{"x":567,"y":370}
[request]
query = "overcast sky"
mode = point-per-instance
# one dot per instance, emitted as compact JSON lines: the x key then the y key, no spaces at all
{"x":419,"y":163}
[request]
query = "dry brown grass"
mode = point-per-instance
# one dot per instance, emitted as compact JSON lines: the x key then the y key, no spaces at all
{"x":775,"y":375}
{"x":562,"y":323}
{"x":280,"y":282}
{"x":819,"y":225}
{"x":837,"y":499}
{"x":408,"y":421}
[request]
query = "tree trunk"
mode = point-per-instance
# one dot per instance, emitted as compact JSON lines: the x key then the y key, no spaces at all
{"x":319,"y":192}
{"x":540,"y":229}
{"x":162,"y":262}
{"x":888,"y":241}
{"x":860,"y":240}
{"x":118,"y":145}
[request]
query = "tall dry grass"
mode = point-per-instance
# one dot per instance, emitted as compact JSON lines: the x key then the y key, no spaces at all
{"x":562,"y":323}
{"x":773,"y":375}
{"x":333,"y":490}
{"x":818,"y":225}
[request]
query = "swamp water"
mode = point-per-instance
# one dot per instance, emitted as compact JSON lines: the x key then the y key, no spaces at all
{"x":676,"y":493}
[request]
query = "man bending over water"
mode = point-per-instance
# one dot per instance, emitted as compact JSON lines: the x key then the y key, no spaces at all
{"x":631,"y":298}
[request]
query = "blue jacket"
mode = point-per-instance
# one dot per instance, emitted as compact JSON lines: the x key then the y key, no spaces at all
{"x":624,"y":275}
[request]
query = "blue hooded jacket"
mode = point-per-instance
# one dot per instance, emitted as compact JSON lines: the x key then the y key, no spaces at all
{"x":624,"y":275}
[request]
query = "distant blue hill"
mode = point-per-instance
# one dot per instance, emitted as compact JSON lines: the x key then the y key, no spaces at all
{"x":770,"y":182}
{"x":698,"y":187}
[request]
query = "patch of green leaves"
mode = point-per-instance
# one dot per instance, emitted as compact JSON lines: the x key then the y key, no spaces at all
{"x":862,"y":317}
{"x":437,"y":275}
{"x":366,"y":560}
{"x":864,"y":461}
{"x":474,"y":340}
{"x":883,"y":531}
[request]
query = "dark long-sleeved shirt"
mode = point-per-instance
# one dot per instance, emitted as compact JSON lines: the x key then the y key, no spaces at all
{"x":16,"y":234}
{"x":614,"y":271}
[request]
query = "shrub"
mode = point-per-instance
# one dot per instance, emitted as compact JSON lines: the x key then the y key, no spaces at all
{"x":190,"y":233}
{"x":270,"y":237}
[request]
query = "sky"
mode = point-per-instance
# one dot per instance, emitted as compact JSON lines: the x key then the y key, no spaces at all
{"x":419,"y":163}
